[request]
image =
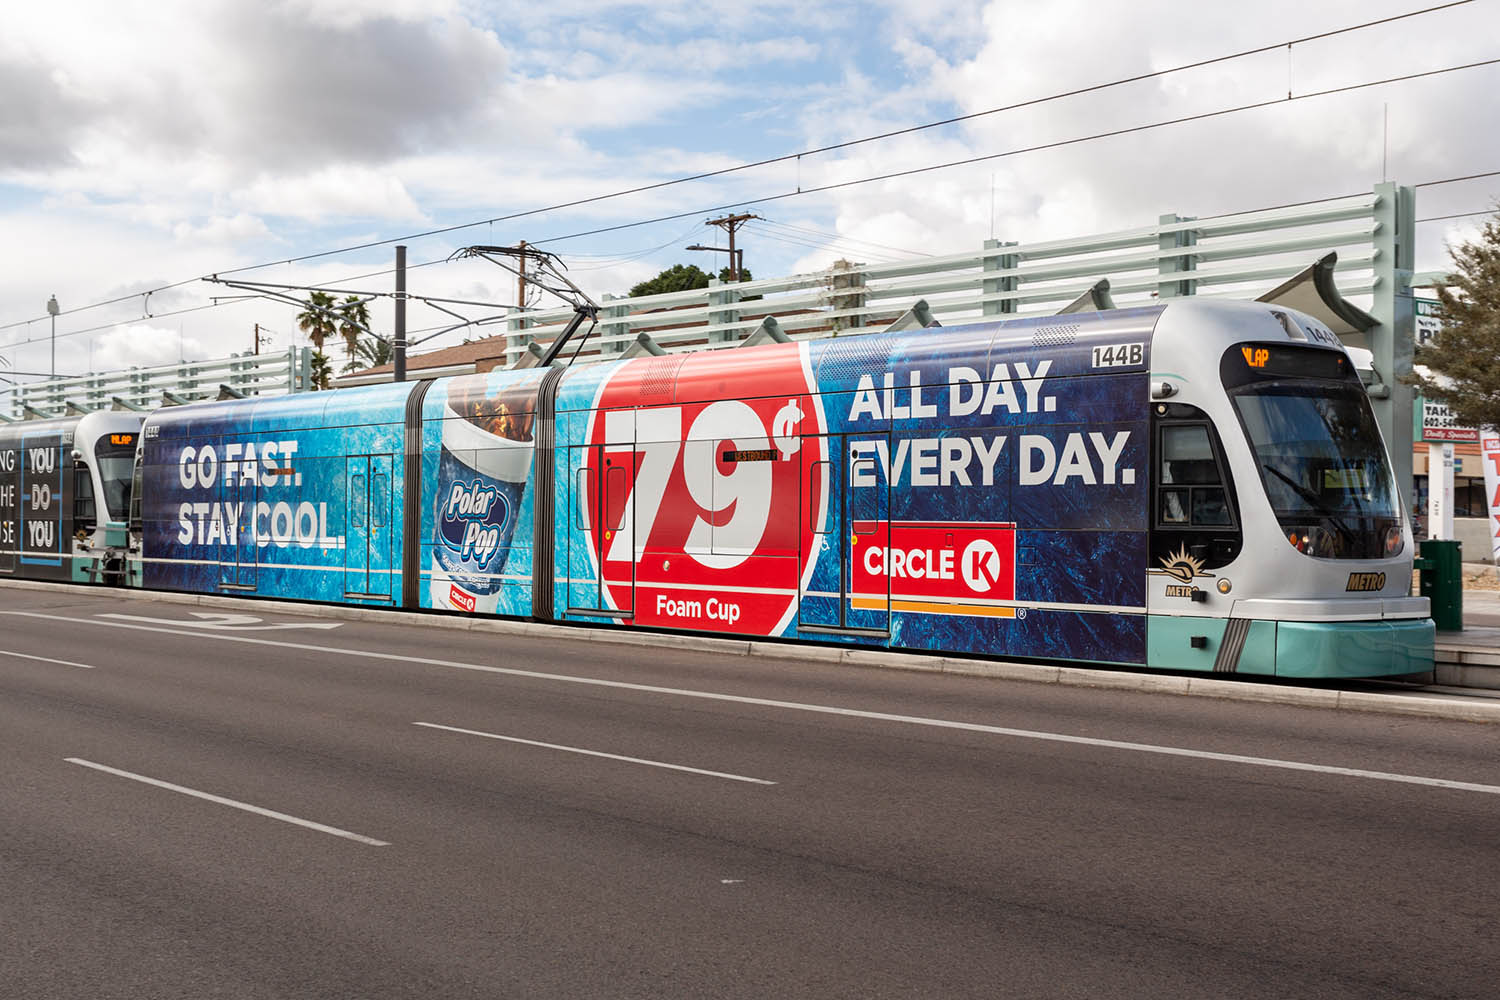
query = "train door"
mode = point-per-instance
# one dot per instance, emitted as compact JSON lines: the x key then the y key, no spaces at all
{"x":621,"y":547}
{"x":846,"y":498}
{"x":602,"y":545}
{"x":367,"y":520}
{"x":380,"y":534}
{"x":585,"y":564}
{"x":237,"y":497}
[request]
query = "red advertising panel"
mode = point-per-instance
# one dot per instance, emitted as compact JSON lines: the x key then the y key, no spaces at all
{"x":951,"y":568}
{"x":702,"y":523}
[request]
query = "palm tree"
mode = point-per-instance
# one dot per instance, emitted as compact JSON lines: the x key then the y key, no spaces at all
{"x":354,"y":319}
{"x":369,"y":352}
{"x":321,"y":372}
{"x":317,"y":319}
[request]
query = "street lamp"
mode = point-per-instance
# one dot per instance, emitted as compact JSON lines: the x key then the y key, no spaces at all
{"x":52,"y":311}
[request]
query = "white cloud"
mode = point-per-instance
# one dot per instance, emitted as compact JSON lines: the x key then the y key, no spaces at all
{"x":174,"y":139}
{"x":141,"y":345}
{"x":333,"y":192}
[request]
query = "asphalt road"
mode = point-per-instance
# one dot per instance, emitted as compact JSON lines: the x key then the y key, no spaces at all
{"x":231,"y":809}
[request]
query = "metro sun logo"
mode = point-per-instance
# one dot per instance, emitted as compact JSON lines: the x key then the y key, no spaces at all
{"x":699,"y":510}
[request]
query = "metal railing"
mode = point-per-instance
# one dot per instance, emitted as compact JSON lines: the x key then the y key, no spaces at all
{"x":1239,"y":255}
{"x":147,"y":388}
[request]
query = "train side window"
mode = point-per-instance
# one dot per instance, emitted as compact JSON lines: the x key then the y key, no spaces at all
{"x":582,"y":482}
{"x":1187,"y":456}
{"x":819,"y":471}
{"x":1174,"y":507}
{"x":379,"y":499}
{"x":358,"y":501}
{"x":1192,"y":486}
{"x":1195,"y":510}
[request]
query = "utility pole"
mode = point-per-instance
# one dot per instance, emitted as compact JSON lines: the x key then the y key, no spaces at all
{"x":521,"y":282}
{"x":53,"y":310}
{"x":729,"y":224}
{"x":261,"y":338}
{"x":398,"y":338}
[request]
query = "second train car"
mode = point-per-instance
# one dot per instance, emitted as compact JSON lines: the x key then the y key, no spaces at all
{"x":1186,"y":486}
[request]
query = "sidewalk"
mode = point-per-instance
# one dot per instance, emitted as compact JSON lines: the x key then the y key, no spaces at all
{"x":1471,"y":658}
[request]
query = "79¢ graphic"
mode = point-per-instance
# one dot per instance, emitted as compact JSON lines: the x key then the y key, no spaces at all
{"x":703,"y":512}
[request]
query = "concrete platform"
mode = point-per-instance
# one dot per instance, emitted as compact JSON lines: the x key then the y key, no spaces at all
{"x":1471,"y":658}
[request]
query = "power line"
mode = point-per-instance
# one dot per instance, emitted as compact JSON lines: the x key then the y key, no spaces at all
{"x":1460,"y":215}
{"x":1033,"y":149}
{"x":790,"y":157}
{"x":828,"y":238}
{"x":1455,"y":180}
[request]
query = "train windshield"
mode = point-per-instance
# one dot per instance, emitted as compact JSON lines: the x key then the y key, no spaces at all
{"x":115,"y":457}
{"x":1319,"y":454}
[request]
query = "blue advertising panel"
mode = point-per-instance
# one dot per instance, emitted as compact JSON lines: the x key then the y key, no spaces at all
{"x":297,"y":497}
{"x":477,"y":510}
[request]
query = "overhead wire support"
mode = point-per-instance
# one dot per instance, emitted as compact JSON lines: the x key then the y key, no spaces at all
{"x":547,"y":275}
{"x":281,"y":293}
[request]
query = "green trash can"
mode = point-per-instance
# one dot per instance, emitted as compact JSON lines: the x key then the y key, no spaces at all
{"x":1441,"y":575}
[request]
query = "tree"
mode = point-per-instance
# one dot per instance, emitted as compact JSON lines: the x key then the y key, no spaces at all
{"x":681,"y":278}
{"x":1465,"y":358}
{"x":354,"y":319}
{"x":369,"y":352}
{"x":317,"y":320}
{"x":322,"y":371}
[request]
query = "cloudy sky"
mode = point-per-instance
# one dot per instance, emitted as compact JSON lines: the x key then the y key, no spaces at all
{"x":144,"y":144}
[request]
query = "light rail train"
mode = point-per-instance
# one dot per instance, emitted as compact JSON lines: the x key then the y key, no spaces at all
{"x":1189,"y":486}
{"x":65,"y":497}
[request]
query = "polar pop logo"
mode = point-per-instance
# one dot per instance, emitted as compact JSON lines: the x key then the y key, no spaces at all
{"x":472,"y":518}
{"x":981,"y":565}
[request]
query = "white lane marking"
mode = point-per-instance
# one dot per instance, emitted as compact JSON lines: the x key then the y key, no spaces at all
{"x":852,"y":713}
{"x":596,"y":753}
{"x":216,"y":620}
{"x":247,"y":807}
{"x":47,"y":659}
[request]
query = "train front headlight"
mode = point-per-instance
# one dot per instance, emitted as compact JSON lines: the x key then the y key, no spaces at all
{"x":1315,"y":540}
{"x":1393,"y":541}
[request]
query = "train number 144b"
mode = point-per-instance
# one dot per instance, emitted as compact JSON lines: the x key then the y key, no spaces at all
{"x":1119,"y":355}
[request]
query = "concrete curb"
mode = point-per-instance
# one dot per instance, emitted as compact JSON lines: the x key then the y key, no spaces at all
{"x":1393,"y":703}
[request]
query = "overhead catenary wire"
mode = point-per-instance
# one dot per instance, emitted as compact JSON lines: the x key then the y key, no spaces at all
{"x":797,"y":156}
{"x":1061,"y":143}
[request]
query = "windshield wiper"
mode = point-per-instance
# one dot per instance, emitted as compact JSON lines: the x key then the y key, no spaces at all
{"x":1314,"y":500}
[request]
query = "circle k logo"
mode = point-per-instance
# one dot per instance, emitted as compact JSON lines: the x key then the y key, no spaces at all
{"x":981,"y":565}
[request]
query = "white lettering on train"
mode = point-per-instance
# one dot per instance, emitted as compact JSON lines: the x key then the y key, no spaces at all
{"x":279,"y":524}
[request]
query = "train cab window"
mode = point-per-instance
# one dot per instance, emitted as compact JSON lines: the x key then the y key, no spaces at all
{"x":1195,"y":507}
{"x":84,"y":518}
{"x":1192,"y":491}
{"x":114,"y":456}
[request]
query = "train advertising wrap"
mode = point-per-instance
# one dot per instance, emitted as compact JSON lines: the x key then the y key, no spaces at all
{"x":846,"y":490}
{"x":479,"y":456}
{"x":298,"y":510}
{"x":35,"y":501}
{"x":699,"y":515}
